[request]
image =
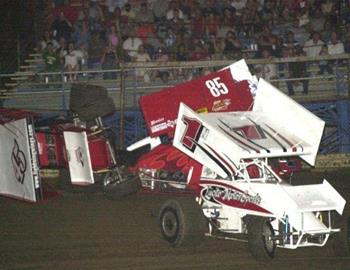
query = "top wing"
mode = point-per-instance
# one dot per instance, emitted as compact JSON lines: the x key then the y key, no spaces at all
{"x":230,"y":89}
{"x":220,"y":141}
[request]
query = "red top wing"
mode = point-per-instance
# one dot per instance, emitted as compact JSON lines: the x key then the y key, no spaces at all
{"x":216,"y":92}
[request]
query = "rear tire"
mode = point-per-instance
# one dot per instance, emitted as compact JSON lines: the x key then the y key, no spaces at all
{"x":115,"y":188}
{"x":260,"y":238}
{"x":182,"y":222}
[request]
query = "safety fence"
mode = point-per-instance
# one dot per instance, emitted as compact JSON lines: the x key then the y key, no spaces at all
{"x":327,"y":90}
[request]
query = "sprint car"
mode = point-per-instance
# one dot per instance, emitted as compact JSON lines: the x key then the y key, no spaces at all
{"x":81,"y":147}
{"x":214,"y":138}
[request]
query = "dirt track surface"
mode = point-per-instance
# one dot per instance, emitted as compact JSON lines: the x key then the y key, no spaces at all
{"x":90,"y":232}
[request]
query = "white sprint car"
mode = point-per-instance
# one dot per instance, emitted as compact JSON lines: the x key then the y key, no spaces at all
{"x":238,"y":194}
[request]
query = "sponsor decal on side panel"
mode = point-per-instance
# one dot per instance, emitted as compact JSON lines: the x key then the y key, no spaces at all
{"x":34,"y":156}
{"x":163,"y":126}
{"x":223,"y":194}
{"x":220,"y":105}
{"x":79,"y":156}
{"x":19,"y":162}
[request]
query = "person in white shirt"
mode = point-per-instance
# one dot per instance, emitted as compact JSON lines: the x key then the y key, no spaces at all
{"x":72,"y":60}
{"x":142,"y":56}
{"x":313,"y":46}
{"x":131,"y":45}
{"x":335,"y":46}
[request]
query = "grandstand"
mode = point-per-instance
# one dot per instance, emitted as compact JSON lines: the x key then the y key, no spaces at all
{"x":182,"y":40}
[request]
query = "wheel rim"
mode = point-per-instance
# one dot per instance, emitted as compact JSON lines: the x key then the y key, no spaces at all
{"x":267,"y":235}
{"x":170,"y":224}
{"x":108,"y":179}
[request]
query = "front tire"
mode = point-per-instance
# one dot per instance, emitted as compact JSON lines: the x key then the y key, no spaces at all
{"x":260,"y":238}
{"x":182,"y":222}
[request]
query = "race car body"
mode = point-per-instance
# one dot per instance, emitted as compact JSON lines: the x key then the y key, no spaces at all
{"x":237,"y":189}
{"x":237,"y":180}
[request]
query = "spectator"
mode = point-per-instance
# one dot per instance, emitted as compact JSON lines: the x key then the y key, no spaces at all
{"x":71,"y":61}
{"x":109,"y":61}
{"x":142,"y":56}
{"x":317,"y":21}
{"x":128,"y":12}
{"x":335,"y":46}
{"x":160,"y":8}
{"x":170,"y":38}
{"x":131,"y":45}
{"x":47,"y":38}
{"x":62,"y":49}
{"x":300,"y":34}
{"x":232,"y":46}
{"x":81,"y":36}
{"x":199,"y":52}
{"x":327,"y":6}
{"x":298,"y":70}
{"x":62,"y":27}
{"x":51,"y":58}
{"x":212,"y":24}
{"x":313,"y":46}
{"x":215,"y":47}
{"x":267,"y":70}
{"x":324,"y":64}
{"x":112,"y":5}
{"x":239,"y":4}
{"x":144,"y":15}
{"x":112,"y":36}
{"x":177,"y":23}
{"x":172,"y":7}
{"x":96,"y":48}
{"x":197,"y":24}
{"x":96,"y":16}
{"x":228,"y":19}
{"x":69,"y":12}
{"x":291,"y":42}
{"x":181,"y":53}
{"x":162,"y":57}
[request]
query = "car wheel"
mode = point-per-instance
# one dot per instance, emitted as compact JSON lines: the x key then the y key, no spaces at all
{"x":182,"y":222}
{"x":261,"y":241}
{"x":117,"y":185}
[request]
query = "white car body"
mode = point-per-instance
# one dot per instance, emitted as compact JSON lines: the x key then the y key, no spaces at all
{"x":228,"y":144}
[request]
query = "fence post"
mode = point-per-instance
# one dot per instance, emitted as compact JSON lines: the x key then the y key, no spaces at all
{"x":121,"y":106}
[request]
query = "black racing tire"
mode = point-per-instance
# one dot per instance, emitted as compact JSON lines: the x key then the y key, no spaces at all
{"x":99,"y":107}
{"x":341,"y":240}
{"x":260,"y":234}
{"x":66,"y":185}
{"x":115,"y":188}
{"x":82,"y":95}
{"x":182,"y":222}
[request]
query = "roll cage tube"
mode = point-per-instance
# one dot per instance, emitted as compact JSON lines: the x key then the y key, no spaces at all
{"x":256,"y":170}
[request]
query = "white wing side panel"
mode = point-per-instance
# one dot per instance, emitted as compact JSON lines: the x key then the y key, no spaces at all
{"x":16,"y":176}
{"x":285,"y":112}
{"x":79,"y":161}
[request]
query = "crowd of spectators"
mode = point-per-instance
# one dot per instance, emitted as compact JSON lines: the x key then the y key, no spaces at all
{"x":100,"y":34}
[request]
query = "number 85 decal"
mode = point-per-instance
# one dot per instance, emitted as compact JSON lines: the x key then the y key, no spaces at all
{"x":216,"y":87}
